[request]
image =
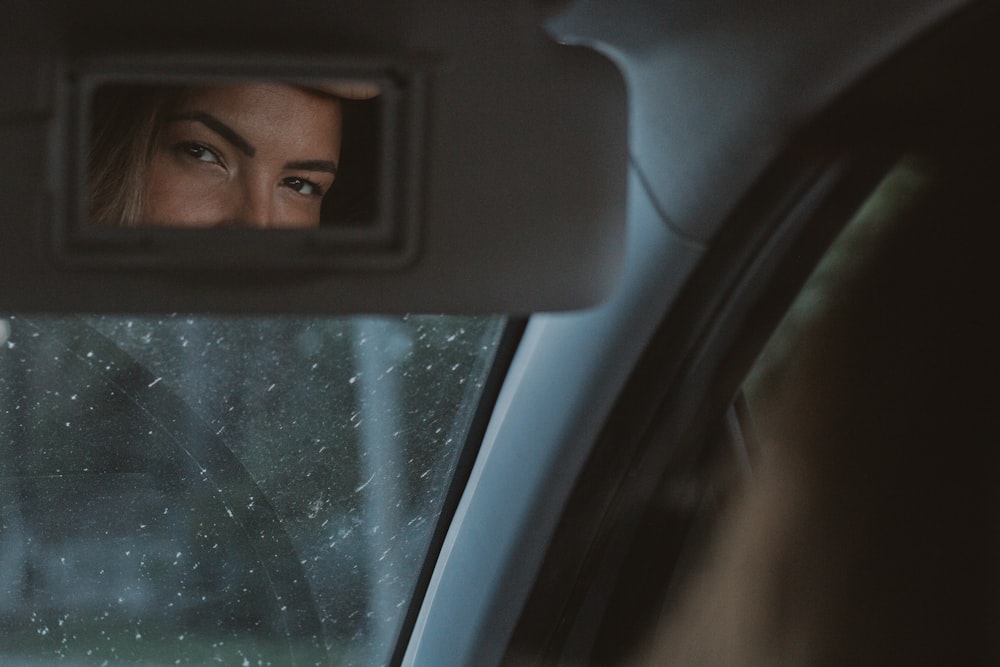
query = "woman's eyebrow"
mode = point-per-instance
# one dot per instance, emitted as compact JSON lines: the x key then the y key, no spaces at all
{"x":313,"y":165}
{"x":220,"y":128}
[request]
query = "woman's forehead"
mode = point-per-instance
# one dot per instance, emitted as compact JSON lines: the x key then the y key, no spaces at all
{"x":271,"y":111}
{"x":256,"y":95}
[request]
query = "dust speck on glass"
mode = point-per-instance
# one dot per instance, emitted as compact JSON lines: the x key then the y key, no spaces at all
{"x":190,"y":491}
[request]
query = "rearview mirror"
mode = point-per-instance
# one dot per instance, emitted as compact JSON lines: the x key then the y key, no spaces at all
{"x":242,"y":153}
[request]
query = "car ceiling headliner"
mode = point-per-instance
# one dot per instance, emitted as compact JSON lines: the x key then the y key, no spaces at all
{"x":717,"y":88}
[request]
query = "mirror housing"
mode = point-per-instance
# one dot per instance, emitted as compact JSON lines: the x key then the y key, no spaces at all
{"x":505,"y":160}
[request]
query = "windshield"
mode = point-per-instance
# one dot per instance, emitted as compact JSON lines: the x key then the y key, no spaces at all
{"x":236,"y":491}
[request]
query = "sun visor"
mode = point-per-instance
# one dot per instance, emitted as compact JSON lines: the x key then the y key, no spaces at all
{"x":306,"y":157}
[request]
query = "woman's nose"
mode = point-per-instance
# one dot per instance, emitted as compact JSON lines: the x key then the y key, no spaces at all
{"x":256,"y":207}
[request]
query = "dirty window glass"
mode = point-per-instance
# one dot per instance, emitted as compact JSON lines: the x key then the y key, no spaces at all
{"x":233,"y":491}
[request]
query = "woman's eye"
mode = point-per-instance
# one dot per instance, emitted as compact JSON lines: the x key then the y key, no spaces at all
{"x":303,"y":186}
{"x":199,"y":152}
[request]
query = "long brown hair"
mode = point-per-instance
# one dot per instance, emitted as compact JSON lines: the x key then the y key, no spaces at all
{"x":125,"y":122}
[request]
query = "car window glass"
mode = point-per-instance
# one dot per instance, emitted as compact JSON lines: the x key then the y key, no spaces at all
{"x":190,"y":490}
{"x":852,"y":506}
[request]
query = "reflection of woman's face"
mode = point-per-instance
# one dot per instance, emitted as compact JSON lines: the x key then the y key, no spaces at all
{"x":258,"y":155}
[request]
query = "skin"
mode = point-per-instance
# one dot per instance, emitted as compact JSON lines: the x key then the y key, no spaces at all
{"x":257,"y":155}
{"x":865,"y":535}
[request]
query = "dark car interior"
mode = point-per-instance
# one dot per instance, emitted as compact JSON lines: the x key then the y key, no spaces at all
{"x":628,"y":333}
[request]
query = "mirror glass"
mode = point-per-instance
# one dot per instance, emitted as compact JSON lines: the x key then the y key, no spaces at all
{"x":259,"y":154}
